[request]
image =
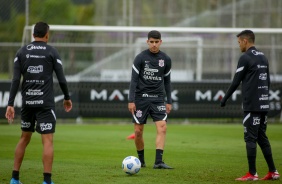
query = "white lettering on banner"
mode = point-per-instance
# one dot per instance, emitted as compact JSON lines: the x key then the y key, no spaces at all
{"x":4,"y":98}
{"x":208,"y":96}
{"x":274,"y":95}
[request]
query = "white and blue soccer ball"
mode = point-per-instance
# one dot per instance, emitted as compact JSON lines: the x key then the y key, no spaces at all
{"x":131,"y":165}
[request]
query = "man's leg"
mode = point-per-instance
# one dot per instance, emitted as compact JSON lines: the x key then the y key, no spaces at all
{"x":161,"y":134}
{"x":266,"y":150}
{"x":47,"y":156}
{"x":19,"y":153}
{"x":160,"y":144}
{"x":139,"y":142}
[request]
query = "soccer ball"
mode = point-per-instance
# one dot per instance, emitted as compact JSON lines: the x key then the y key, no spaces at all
{"x":131,"y":165}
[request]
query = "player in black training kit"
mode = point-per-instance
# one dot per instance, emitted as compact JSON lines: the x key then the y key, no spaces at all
{"x":36,"y":63}
{"x":253,"y":71}
{"x":150,"y":77}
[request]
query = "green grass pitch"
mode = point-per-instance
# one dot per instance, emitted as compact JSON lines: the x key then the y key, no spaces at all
{"x":200,"y":153}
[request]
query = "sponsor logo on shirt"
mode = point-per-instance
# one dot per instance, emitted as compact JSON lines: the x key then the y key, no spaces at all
{"x":261,"y":66}
{"x":263,"y":76}
{"x":263,"y":87}
{"x":34,"y":92}
{"x":34,"y":56}
{"x":33,"y":47}
{"x":35,"y":69}
{"x":255,"y":52}
{"x":264,"y":107}
{"x":147,"y":95}
{"x":34,"y":102}
{"x":41,"y":82}
{"x":263,"y":97}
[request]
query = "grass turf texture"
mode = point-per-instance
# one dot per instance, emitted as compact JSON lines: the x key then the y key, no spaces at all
{"x":200,"y":153}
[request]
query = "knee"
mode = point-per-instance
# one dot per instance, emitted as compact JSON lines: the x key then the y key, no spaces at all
{"x":138,"y":133}
{"x":162,"y":128}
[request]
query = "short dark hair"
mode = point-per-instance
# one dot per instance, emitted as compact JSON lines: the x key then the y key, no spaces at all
{"x":248,"y":34}
{"x":154,"y":34}
{"x":40,"y":29}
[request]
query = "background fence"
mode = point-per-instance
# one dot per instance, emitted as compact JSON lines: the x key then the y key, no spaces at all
{"x":107,"y":56}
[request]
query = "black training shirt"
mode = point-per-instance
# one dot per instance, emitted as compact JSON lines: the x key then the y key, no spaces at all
{"x":150,"y":76}
{"x":36,"y":63}
{"x":253,"y":71}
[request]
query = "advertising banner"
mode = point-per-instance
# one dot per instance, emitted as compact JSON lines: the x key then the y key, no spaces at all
{"x":109,"y":100}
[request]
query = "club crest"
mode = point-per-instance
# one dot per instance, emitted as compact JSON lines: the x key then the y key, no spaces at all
{"x":161,"y":62}
{"x":138,"y":113}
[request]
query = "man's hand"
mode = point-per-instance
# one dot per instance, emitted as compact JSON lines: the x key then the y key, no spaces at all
{"x":10,"y":114}
{"x":67,"y":105}
{"x":168,"y":108}
{"x":222,"y":103}
{"x":131,"y":107}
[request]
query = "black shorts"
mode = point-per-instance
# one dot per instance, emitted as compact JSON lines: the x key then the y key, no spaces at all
{"x":41,"y":119}
{"x":255,"y":124}
{"x":155,"y":108}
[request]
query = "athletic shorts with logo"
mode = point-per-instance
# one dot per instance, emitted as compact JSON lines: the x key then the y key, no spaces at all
{"x":150,"y":106}
{"x":255,"y":124}
{"x":41,"y":119}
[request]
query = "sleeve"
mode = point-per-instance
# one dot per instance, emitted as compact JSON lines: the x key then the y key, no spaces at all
{"x":134,"y":78}
{"x":167,"y":82}
{"x":15,"y":81}
{"x":58,"y":68}
{"x":241,"y":71}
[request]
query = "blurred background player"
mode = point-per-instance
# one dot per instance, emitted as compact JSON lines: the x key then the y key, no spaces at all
{"x":253,"y":71}
{"x":150,"y":77}
{"x":36,"y":63}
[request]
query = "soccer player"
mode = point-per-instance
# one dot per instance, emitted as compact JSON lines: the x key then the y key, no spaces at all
{"x":253,"y":71}
{"x":36,"y":63}
{"x":150,"y":78}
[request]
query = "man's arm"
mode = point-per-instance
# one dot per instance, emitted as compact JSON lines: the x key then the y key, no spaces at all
{"x":10,"y":111}
{"x":167,"y":81}
{"x":58,"y":68}
{"x":133,"y":85}
{"x":15,"y":81}
{"x":238,"y":77}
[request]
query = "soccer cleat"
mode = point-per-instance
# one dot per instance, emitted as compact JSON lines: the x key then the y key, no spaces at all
{"x":46,"y":182}
{"x":162,"y":165}
{"x":13,"y":181}
{"x":143,"y":164}
{"x":248,"y":177}
{"x":271,"y":176}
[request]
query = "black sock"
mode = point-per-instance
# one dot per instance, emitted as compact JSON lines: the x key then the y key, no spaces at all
{"x":141,"y":156}
{"x":159,"y":156}
{"x":270,"y":163}
{"x":16,"y":175}
{"x":47,"y":177}
{"x":252,"y":165}
{"x":251,"y":155}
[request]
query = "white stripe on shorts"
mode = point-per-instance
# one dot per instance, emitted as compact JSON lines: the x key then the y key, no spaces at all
{"x":136,"y":120}
{"x":165,"y":116}
{"x":53,"y":114}
{"x":247,"y":117}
